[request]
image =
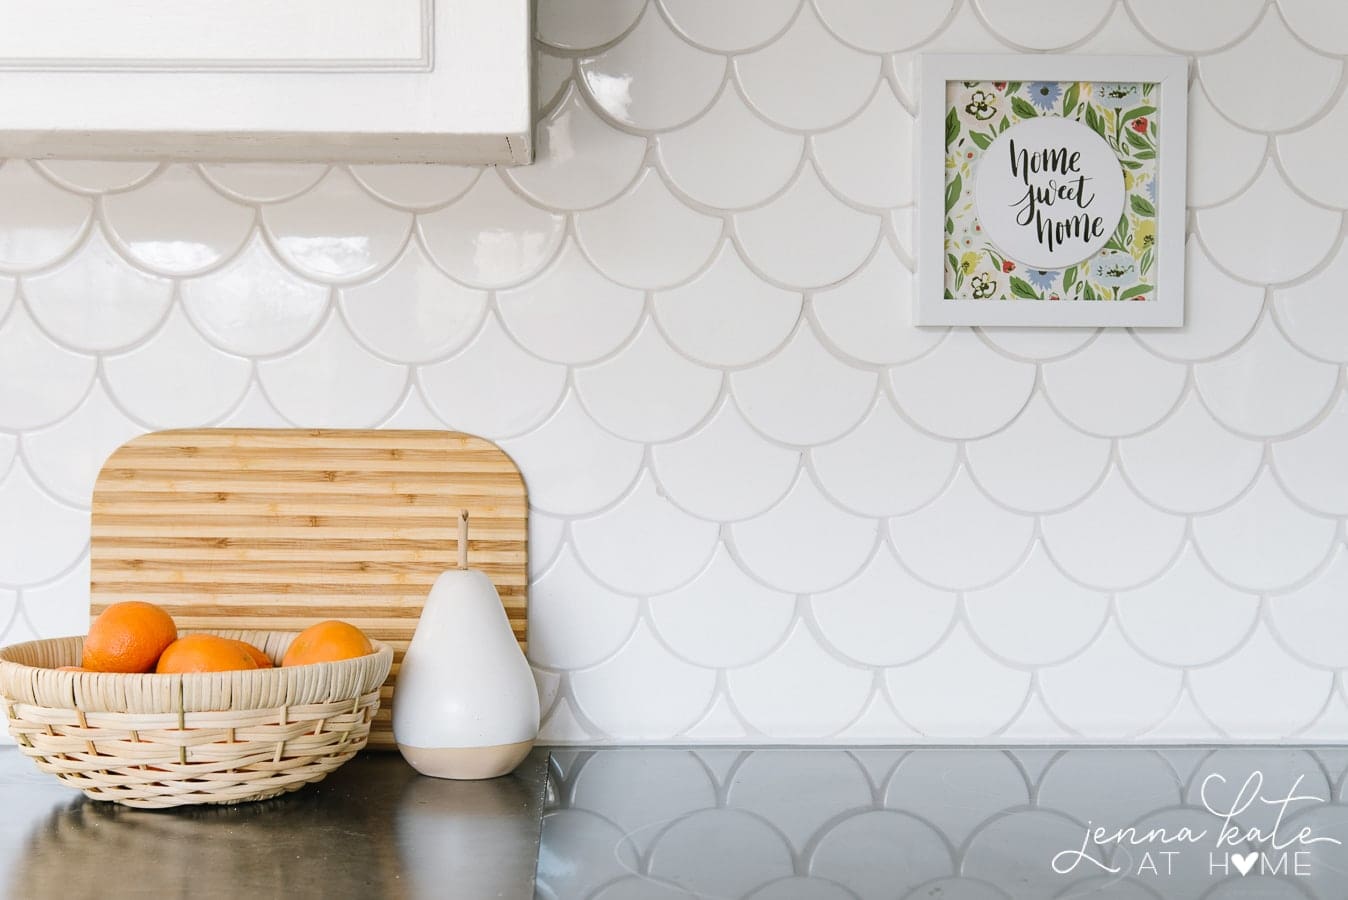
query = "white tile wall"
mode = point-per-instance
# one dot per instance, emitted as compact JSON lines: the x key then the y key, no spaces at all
{"x":766,"y":507}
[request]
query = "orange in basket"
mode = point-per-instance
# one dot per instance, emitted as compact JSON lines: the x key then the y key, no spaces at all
{"x":204,"y":653}
{"x":128,"y":637}
{"x":328,"y":641}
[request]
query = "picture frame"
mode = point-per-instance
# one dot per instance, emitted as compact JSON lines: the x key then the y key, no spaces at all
{"x":990,"y":153}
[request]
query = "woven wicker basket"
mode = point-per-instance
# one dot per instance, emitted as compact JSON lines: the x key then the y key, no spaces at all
{"x":155,"y":741}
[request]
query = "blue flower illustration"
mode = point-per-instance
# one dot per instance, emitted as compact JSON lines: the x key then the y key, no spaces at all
{"x":1114,"y":268}
{"x":1151,"y":189}
{"x":1118,"y":96}
{"x":1044,"y":279}
{"x":1044,"y":94}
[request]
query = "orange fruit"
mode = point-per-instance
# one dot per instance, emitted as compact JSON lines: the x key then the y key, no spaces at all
{"x":204,"y":653}
{"x":128,"y":637}
{"x":328,"y":641}
{"x":263,"y":660}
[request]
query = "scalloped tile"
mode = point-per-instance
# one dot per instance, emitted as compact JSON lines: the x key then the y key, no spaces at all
{"x":547,"y":536}
{"x":255,"y":410}
{"x":1266,"y":387}
{"x":917,"y":854}
{"x":883,"y":27}
{"x":1092,"y":391}
{"x":1089,"y":784}
{"x":859,"y":157}
{"x":416,"y":186}
{"x":574,"y":621}
{"x":1264,"y":541}
{"x":1009,"y":616}
{"x":800,"y":690}
{"x":834,"y":86}
{"x":570,"y":313}
{"x":958,"y":690}
{"x":176,"y":224}
{"x":39,"y":222}
{"x":730,"y":27}
{"x":96,"y":176}
{"x":1118,"y":35}
{"x":8,"y":290}
{"x":1223,"y":157}
{"x":1038,"y":463}
{"x":60,"y":607}
{"x":719,"y":724}
{"x":869,"y":316}
{"x":1310,"y":465}
{"x":1322,"y":25}
{"x":1189,"y":463}
{"x":1110,"y":691}
{"x":9,"y":447}
{"x":1044,"y":24}
{"x":963,"y":389}
{"x":1270,"y":97}
{"x":1261,"y":690}
{"x":572,"y":465}
{"x":1269,"y":233}
{"x":1311,"y":620}
{"x":1112,"y":540}
{"x":1312,"y":313}
{"x":884,"y":616}
{"x":65,"y":457}
{"x":95,"y":300}
{"x":1037,"y":344}
{"x":806,"y":237}
{"x":613,"y":694}
{"x":1308,"y":157}
{"x":964,"y":32}
{"x":727,"y":315}
{"x":491,"y":237}
{"x":41,"y":537}
{"x":749,"y":852}
{"x":552,"y":73}
{"x":646,"y":391}
{"x":956,"y":790}
{"x":254,"y":306}
{"x":1186,"y":617}
{"x":824,"y":787}
{"x":647,"y":238}
{"x":27,"y":402}
{"x":884,"y":466}
{"x":581,"y":161}
{"x":333,"y":382}
{"x":582,"y":24}
{"x":263,"y":182}
{"x":337,"y":231}
{"x":722,"y":618}
{"x":1219,"y":311}
{"x":725,"y":470}
{"x":412,"y":312}
{"x":605,"y":787}
{"x":757,"y":164}
{"x":652,"y":79}
{"x":644,"y":544}
{"x":412,"y":412}
{"x":511,"y":391}
{"x":805,"y":543}
{"x":1191,"y":26}
{"x":803,"y":394}
{"x":961,"y":540}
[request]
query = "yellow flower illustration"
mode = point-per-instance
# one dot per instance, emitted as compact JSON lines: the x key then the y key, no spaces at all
{"x":1144,"y":236}
{"x":968,"y":262}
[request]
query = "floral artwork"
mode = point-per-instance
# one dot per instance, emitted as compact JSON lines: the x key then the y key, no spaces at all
{"x":1124,"y":115}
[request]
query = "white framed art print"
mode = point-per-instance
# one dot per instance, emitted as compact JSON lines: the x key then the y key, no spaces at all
{"x":1051,"y":190}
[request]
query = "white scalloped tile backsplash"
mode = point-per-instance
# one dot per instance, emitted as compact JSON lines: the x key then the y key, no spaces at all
{"x":766,"y":508}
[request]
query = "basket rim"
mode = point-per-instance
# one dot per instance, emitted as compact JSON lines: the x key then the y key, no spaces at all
{"x":141,"y":693}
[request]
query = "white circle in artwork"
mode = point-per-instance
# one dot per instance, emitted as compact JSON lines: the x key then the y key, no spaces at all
{"x":1049,"y":192}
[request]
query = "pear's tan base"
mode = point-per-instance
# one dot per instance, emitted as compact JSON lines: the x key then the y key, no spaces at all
{"x":466,"y":763}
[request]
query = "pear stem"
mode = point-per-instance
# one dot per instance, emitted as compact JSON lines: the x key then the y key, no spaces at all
{"x":463,"y":539}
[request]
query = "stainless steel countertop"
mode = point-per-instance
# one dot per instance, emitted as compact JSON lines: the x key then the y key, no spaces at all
{"x":372,"y":829}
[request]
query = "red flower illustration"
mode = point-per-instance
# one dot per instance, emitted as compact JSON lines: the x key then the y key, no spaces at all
{"x":999,"y":85}
{"x":1140,"y":124}
{"x":1139,"y":298}
{"x":1008,"y":266}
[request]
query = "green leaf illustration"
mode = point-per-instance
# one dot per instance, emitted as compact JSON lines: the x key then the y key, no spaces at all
{"x":1094,"y":122}
{"x":1004,"y":124}
{"x":1137,"y":140}
{"x":1022,"y":108}
{"x":1142,"y":206}
{"x":1131,"y":164}
{"x":952,"y":193}
{"x":1136,"y":290}
{"x":1148,"y":258}
{"x":1145,"y":154}
{"x":954,"y":263}
{"x":981,"y":139}
{"x":1089,"y":293}
{"x":1022,"y":289}
{"x":1073,"y":97}
{"x":1069,"y":278}
{"x":1140,"y":111}
{"x":952,"y":127}
{"x":1012,"y":87}
{"x":949,"y":227}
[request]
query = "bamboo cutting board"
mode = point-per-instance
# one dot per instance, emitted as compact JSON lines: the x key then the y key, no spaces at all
{"x":278,"y":529}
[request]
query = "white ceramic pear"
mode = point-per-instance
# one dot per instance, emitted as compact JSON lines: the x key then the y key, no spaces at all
{"x":465,"y":704}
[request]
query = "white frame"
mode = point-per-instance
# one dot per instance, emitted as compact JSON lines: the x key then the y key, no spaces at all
{"x":1170,"y":73}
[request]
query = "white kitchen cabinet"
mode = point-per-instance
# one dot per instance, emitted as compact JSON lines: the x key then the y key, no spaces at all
{"x":346,"y":80}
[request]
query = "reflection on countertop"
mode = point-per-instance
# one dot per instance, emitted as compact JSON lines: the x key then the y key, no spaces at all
{"x":373,"y":829}
{"x":948,"y":823}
